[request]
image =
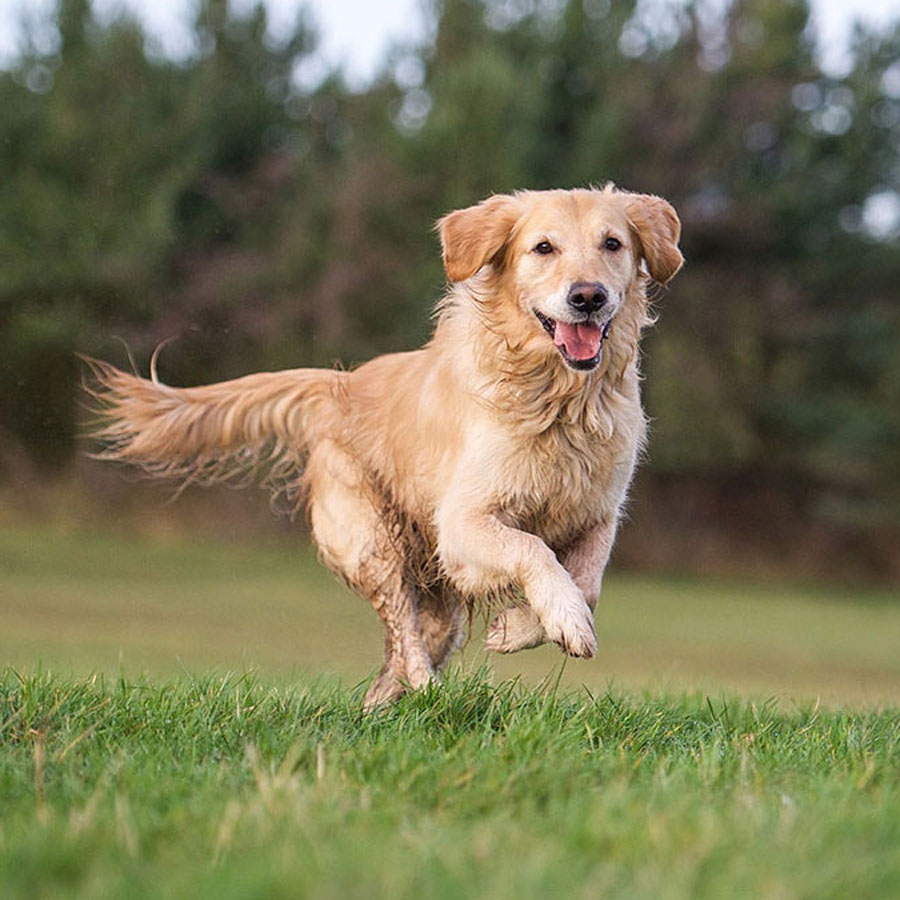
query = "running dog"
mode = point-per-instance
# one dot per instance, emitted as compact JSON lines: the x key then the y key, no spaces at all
{"x":489,"y":466}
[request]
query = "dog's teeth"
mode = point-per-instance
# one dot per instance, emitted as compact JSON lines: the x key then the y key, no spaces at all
{"x":548,"y":324}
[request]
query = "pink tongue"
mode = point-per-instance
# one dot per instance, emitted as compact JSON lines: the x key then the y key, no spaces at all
{"x":579,"y":341}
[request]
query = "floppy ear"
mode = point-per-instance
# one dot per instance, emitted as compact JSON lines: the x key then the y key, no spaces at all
{"x":473,"y":236}
{"x":658,"y":228}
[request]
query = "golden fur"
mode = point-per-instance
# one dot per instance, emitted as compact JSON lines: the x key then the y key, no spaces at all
{"x":493,"y":461}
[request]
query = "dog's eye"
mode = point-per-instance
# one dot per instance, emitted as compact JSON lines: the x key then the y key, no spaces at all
{"x":544,"y":247}
{"x":612,"y":244}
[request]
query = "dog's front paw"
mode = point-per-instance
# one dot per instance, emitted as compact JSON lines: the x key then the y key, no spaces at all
{"x":516,"y":628}
{"x":570,"y":624}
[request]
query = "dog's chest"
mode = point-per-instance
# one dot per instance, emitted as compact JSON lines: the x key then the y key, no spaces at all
{"x":563,"y":481}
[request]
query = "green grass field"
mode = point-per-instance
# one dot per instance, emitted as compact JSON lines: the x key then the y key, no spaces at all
{"x":86,"y":603}
{"x":230,"y":788}
{"x":182,"y":720}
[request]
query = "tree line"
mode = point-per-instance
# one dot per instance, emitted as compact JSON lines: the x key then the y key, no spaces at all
{"x":264,"y":224}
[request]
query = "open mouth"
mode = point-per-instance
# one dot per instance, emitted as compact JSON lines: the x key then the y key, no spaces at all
{"x":580,"y":344}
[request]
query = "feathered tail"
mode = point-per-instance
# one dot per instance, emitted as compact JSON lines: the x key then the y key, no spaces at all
{"x":219,"y":431}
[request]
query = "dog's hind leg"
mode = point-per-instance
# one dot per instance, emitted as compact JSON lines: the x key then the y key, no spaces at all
{"x":442,"y":620}
{"x":387,"y":686}
{"x":407,"y":663}
{"x":354,"y":542}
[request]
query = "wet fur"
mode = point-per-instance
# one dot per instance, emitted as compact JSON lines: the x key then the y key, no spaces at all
{"x":481,"y":465}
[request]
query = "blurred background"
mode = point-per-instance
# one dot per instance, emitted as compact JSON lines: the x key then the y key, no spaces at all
{"x":260,"y":183}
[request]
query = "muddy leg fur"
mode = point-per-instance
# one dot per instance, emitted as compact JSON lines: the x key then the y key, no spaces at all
{"x":353,"y":541}
{"x":387,"y":686}
{"x":442,"y":620}
{"x":406,"y":659}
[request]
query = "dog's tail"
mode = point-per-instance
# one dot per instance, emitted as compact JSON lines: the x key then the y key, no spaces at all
{"x":219,"y":431}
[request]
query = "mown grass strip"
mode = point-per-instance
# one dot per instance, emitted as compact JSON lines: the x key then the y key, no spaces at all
{"x":228,"y":786}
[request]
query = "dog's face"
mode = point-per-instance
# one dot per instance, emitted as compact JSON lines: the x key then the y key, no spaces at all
{"x":569,"y":258}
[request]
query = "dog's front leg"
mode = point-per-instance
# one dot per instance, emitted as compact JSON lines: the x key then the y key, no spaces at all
{"x":518,"y":628}
{"x":586,"y":559}
{"x":480,"y":553}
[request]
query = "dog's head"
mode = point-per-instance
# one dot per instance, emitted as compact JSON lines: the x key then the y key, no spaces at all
{"x":568,"y":259}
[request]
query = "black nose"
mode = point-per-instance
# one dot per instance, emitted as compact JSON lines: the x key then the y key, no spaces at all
{"x":586,"y":296}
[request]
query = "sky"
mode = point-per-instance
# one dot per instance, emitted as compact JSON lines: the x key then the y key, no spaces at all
{"x":357,"y":34}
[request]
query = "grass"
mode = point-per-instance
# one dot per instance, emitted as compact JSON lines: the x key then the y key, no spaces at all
{"x":123,"y":774}
{"x":233,"y":787}
{"x":86,"y":602}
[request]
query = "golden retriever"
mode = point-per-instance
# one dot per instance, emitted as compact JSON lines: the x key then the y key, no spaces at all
{"x":491,"y":463}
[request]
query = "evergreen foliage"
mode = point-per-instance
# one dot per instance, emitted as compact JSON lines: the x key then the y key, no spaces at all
{"x":266,"y":225}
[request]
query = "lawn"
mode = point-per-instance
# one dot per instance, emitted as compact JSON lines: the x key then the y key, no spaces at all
{"x":78,"y":603}
{"x":183,"y":720}
{"x":228,"y":787}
